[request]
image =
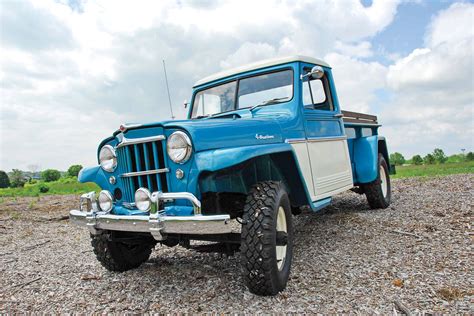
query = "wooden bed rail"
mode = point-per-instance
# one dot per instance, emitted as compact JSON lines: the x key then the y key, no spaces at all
{"x":361,"y":118}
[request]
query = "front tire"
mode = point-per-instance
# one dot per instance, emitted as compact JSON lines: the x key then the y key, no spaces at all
{"x":267,"y":239}
{"x":119,"y":256}
{"x":378,"y":192}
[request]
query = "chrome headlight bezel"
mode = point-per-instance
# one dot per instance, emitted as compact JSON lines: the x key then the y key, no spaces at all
{"x":104,"y":198}
{"x":108,"y":158}
{"x":143,"y":200}
{"x":179,"y":147}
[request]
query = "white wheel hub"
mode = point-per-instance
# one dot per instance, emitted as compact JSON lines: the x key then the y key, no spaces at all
{"x":383,"y":181}
{"x":281,"y":227}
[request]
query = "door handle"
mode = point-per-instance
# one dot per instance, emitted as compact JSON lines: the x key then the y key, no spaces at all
{"x":338,"y":115}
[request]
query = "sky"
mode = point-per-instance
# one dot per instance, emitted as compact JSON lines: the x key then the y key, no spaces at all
{"x":72,"y":71}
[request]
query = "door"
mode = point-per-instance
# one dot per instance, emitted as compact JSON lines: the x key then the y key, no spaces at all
{"x":329,"y":159}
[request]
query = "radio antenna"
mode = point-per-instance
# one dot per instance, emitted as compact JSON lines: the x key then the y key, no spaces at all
{"x":168,"y":89}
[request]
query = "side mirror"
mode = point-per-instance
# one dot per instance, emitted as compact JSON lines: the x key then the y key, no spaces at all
{"x":185,"y":103}
{"x":317,"y":72}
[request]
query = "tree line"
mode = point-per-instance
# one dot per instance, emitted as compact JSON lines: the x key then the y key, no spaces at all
{"x":18,"y":178}
{"x":436,"y":157}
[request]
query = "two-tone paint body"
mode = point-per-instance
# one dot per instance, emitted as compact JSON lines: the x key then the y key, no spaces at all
{"x":310,"y":150}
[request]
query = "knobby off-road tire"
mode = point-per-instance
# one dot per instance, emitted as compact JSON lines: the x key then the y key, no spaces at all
{"x":119,"y":256}
{"x":378,"y":192}
{"x":266,"y":266}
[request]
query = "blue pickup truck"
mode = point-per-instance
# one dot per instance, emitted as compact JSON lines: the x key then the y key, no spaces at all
{"x":261,"y":143}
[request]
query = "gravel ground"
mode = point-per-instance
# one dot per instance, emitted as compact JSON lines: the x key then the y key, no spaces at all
{"x":349,"y":259}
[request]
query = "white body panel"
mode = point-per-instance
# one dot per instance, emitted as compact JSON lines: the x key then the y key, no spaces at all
{"x":325,"y":165}
{"x":301,"y":151}
{"x":330,"y":166}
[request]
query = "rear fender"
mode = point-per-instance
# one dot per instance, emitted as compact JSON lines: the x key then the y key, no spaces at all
{"x":382,"y":148}
{"x":365,"y":159}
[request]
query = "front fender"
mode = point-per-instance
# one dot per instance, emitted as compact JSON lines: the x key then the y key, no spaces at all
{"x":94,"y":174}
{"x":217,"y":159}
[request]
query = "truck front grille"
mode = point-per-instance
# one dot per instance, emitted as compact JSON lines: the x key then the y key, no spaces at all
{"x":142,"y":165}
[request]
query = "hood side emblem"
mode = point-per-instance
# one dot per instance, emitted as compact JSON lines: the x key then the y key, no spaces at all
{"x":257,"y":136}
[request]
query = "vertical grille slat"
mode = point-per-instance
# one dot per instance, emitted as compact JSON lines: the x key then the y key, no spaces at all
{"x":128,"y":162}
{"x":136,"y":152}
{"x":161,"y":161}
{"x":147,"y":165}
{"x":155,"y":155}
{"x":142,"y":157}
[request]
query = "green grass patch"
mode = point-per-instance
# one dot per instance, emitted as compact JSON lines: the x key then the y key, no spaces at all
{"x":62,"y":186}
{"x":434,"y":170}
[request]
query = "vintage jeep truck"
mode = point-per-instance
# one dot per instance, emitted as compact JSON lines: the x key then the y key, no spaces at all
{"x":261,"y":143}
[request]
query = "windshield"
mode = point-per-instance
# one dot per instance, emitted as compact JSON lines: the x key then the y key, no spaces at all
{"x":274,"y":87}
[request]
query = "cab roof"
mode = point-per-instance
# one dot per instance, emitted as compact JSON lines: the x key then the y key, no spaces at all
{"x":261,"y":64}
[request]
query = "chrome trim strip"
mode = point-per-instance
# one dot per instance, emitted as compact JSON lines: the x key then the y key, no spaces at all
{"x":295,"y":140}
{"x":325,"y":139}
{"x":144,"y":173}
{"x":132,"y":141}
{"x":314,"y":139}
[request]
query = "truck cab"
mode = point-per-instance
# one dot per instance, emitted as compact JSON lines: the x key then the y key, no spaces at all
{"x":261,"y":143}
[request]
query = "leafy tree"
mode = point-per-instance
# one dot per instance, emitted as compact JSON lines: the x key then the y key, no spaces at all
{"x":439,"y":155}
{"x":17,"y":179}
{"x":417,"y":160}
{"x":429,"y":159}
{"x":4,"y":180}
{"x":456,"y":158}
{"x":397,"y":159}
{"x":73,"y":170}
{"x":50,"y":175}
{"x":43,"y":188}
{"x":470,"y":156}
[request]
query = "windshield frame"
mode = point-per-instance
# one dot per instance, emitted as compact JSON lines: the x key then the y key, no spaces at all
{"x":236,"y":97}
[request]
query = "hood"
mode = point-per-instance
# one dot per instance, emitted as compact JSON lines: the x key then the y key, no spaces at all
{"x":221,"y":133}
{"x":207,"y":134}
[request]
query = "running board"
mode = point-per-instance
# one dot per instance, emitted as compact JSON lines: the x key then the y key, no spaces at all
{"x":320,"y":204}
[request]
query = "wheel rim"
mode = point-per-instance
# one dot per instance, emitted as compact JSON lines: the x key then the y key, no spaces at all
{"x":281,"y":227}
{"x":383,"y":181}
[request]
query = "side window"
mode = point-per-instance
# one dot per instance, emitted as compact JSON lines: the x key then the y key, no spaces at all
{"x":316,"y":93}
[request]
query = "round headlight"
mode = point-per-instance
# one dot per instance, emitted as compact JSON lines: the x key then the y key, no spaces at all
{"x":108,"y":158}
{"x":105,"y":201}
{"x":179,"y":147}
{"x":143,"y":199}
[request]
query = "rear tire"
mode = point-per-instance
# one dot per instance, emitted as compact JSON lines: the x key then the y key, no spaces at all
{"x":119,"y":256}
{"x":267,"y":239}
{"x":378,"y":192}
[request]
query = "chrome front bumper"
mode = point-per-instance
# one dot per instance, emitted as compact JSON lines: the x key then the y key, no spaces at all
{"x":156,"y":223}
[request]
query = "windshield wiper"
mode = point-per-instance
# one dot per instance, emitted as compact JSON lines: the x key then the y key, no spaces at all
{"x":269,"y":102}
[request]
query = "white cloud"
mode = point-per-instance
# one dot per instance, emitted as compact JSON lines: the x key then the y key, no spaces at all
{"x":103,"y":65}
{"x":356,"y":81}
{"x":362,"y":49}
{"x":434,"y":88}
{"x":247,"y":53}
